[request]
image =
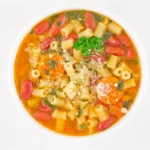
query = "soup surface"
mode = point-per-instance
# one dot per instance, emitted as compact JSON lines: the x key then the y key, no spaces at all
{"x":77,"y":72}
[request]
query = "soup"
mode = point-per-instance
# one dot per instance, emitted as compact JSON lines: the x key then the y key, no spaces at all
{"x":77,"y":72}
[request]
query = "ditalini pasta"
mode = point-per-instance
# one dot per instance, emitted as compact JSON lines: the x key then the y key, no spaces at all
{"x":112,"y":62}
{"x":67,"y":29}
{"x":77,"y":72}
{"x":78,"y":27}
{"x":87,"y":33}
{"x":100,"y":29}
{"x":67,"y":44}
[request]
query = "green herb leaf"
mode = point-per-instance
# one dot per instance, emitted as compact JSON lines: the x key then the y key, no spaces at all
{"x":80,"y":111}
{"x":77,"y":15}
{"x":127,"y":104}
{"x":98,"y":18}
{"x":32,"y":31}
{"x":47,"y":51}
{"x":87,"y":45}
{"x":107,"y":35}
{"x":47,"y":103}
{"x":52,"y":19}
{"x":82,"y":126}
{"x":134,"y":61}
{"x":120,"y":85}
{"x":85,"y":105}
{"x":58,"y":38}
{"x":47,"y":72}
{"x":52,"y":63}
{"x":52,"y":92}
{"x":58,"y":23}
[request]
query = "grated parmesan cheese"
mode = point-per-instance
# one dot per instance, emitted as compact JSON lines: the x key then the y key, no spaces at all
{"x":116,"y":84}
{"x":103,"y":89}
{"x":64,"y":51}
{"x":124,"y":110}
{"x":50,"y":55}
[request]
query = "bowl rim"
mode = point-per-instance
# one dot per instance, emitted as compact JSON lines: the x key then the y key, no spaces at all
{"x":119,"y":125}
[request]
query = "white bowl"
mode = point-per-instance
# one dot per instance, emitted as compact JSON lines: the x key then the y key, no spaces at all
{"x":114,"y":128}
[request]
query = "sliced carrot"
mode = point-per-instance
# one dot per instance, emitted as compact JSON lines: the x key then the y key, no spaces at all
{"x":51,"y":66}
{"x":107,"y":90}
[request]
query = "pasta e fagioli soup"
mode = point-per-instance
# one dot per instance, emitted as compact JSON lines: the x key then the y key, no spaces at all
{"x":77,"y":72}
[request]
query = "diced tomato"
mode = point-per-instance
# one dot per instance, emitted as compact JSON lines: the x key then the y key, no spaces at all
{"x":130,"y":54}
{"x":98,"y":58}
{"x":43,"y":116}
{"x":45,"y":108}
{"x":107,"y":123}
{"x":113,"y":41}
{"x":72,"y":36}
{"x":115,"y":51}
{"x":42,"y":27}
{"x":44,"y":45}
{"x":26,"y":89}
{"x":58,"y":24}
{"x":90,"y":21}
{"x":124,"y":40}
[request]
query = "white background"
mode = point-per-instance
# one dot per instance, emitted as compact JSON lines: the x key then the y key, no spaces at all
{"x":15,"y":132}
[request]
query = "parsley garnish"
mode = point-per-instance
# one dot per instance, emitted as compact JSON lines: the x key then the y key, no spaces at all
{"x":58,"y":23}
{"x":87,"y":45}
{"x":47,"y":72}
{"x":52,"y":92}
{"x":82,"y":126}
{"x":47,"y":51}
{"x":77,"y":15}
{"x":32,"y":31}
{"x":85,"y":105}
{"x":120,"y":85}
{"x":58,"y":38}
{"x":134,"y":62}
{"x":98,"y":18}
{"x":52,"y":63}
{"x":126,"y":104}
{"x":107,"y":35}
{"x":47,"y":103}
{"x":52,"y":19}
{"x":80,"y":111}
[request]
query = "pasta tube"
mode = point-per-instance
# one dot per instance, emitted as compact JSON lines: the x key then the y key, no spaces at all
{"x":100,"y":29}
{"x":59,"y":114}
{"x":125,"y":75}
{"x":67,"y":29}
{"x":54,"y":45}
{"x":129,"y":84}
{"x":69,"y":69}
{"x":39,"y":92}
{"x":87,"y":33}
{"x":35,"y":74}
{"x":92,"y":123}
{"x":118,"y":71}
{"x":67,"y":44}
{"x":101,"y":113}
{"x":78,"y":27}
{"x":115,"y":28}
{"x":112,"y":62}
